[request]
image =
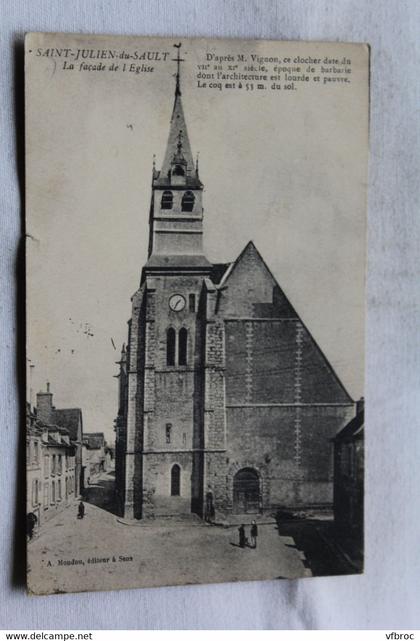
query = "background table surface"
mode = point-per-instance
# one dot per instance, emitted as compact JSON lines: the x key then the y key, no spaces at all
{"x":388,"y":594}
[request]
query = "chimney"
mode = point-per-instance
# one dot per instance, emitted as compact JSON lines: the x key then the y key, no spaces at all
{"x":360,"y":405}
{"x":44,"y":405}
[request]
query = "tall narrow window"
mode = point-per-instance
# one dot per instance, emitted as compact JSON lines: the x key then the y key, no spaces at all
{"x":191,"y":302}
{"x":188,"y":201}
{"x":170,"y":346}
{"x":35,"y":488}
{"x":175,"y":480}
{"x":53,"y":492}
{"x":182,"y":346}
{"x":168,"y":432}
{"x":167,"y":200}
{"x":46,"y":496}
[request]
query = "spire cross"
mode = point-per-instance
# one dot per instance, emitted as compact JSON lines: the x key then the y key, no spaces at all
{"x":178,"y":59}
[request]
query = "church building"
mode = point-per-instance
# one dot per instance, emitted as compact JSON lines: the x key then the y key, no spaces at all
{"x":226,"y":402}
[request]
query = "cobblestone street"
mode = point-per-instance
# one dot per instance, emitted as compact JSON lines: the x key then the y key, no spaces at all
{"x":102,"y":553}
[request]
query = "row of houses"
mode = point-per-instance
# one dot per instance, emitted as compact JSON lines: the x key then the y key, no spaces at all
{"x":98,"y":456}
{"x":61,"y":460}
{"x":53,"y":457}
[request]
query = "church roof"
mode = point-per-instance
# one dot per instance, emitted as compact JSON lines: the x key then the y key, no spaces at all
{"x":70,"y":419}
{"x":266,"y":300}
{"x":178,"y":260}
{"x":218,"y":271}
{"x":353,"y":429}
{"x":249,"y":249}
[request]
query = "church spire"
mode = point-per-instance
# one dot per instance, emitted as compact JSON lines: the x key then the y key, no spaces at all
{"x":176,"y":209}
{"x":178,"y":166}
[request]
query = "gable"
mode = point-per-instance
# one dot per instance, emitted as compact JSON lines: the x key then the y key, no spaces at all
{"x":271,"y":356}
{"x":277,"y":361}
{"x":248,"y":289}
{"x":320,"y":381}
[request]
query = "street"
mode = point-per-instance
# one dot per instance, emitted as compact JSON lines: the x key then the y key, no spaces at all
{"x":100,"y":552}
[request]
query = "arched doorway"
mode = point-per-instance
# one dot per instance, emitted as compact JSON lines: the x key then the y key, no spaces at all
{"x":176,"y":480}
{"x":246,"y":491}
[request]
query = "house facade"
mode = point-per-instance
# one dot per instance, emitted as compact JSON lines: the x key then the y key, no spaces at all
{"x":50,"y":468}
{"x":34,"y":467}
{"x":93,"y":454}
{"x":69,"y":419}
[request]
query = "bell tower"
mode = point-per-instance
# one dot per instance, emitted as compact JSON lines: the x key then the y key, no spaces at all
{"x":176,"y":211}
{"x":163,"y":465}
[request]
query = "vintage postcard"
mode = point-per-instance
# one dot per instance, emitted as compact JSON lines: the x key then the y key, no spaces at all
{"x":196,"y":216}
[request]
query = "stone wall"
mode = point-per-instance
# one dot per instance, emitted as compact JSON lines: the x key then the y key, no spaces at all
{"x":169,"y":400}
{"x":295,"y":472}
{"x":284,"y":402}
{"x":157,"y":499}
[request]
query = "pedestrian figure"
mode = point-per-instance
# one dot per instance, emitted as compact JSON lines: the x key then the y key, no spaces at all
{"x":254,"y":534}
{"x":31,"y":521}
{"x":242,"y":537}
{"x":81,"y":510}
{"x":209,"y":511}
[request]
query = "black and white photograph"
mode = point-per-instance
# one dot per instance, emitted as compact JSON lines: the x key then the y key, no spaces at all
{"x":196,"y":242}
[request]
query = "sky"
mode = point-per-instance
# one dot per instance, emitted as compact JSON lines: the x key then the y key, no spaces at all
{"x":285,"y":169}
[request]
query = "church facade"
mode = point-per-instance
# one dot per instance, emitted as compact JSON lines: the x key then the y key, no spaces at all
{"x":226,"y":403}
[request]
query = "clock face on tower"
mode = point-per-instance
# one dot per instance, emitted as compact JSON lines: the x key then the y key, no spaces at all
{"x":177,"y":302}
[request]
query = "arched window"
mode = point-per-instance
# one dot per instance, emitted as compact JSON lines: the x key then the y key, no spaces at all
{"x":176,"y":480}
{"x":167,"y":200}
{"x":178,"y":170}
{"x":182,"y":346}
{"x":246,"y":491}
{"x":188,"y":201}
{"x":170,"y":346}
